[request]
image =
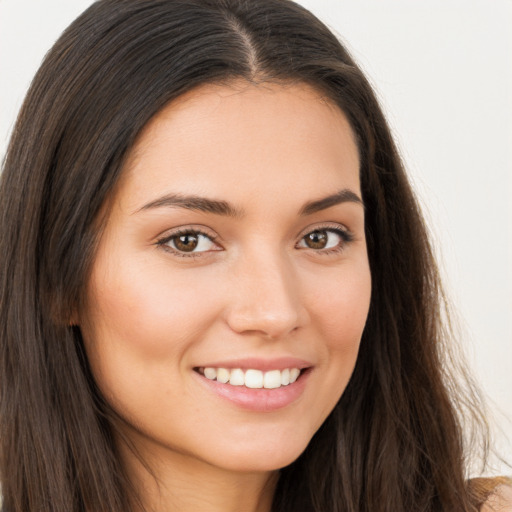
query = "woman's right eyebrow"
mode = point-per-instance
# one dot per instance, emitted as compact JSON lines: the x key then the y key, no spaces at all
{"x":193,"y":202}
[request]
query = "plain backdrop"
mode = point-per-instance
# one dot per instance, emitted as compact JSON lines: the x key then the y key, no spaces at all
{"x":443,"y":72}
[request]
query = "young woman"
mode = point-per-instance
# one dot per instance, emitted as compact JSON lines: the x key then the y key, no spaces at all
{"x":217,"y":291}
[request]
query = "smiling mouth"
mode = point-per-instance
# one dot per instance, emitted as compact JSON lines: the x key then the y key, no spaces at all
{"x":251,"y":378}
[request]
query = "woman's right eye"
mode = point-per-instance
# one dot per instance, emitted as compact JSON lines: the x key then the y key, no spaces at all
{"x":189,"y":243}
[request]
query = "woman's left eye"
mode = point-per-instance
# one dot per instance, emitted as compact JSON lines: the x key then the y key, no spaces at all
{"x":189,"y":243}
{"x":325,"y":239}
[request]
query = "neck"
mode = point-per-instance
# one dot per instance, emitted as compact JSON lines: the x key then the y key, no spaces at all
{"x":172,"y":482}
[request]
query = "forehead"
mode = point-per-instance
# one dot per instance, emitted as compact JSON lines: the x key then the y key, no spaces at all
{"x":220,"y":139}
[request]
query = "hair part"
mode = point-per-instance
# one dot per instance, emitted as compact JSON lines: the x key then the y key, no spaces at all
{"x":394,"y":442}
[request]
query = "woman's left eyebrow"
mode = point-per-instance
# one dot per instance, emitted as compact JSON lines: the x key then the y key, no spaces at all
{"x":343,"y":196}
{"x":221,"y":207}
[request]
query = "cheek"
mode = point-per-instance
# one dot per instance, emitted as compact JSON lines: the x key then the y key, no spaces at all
{"x":341,"y":309}
{"x":141,"y":325}
{"x":147,"y":309}
{"x":340,"y":313}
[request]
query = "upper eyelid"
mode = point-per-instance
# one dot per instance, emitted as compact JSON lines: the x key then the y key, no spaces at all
{"x":333,"y":226}
{"x":194,"y":228}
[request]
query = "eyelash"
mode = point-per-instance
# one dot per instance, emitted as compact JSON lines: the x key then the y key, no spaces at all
{"x":345,"y":235}
{"x":162,"y":242}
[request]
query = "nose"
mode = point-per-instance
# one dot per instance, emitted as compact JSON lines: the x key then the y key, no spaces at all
{"x":265,"y":298}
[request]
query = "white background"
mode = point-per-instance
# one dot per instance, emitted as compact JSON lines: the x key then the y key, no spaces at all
{"x":443,"y":72}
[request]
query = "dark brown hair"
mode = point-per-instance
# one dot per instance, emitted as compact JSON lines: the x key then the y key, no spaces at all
{"x":393,"y":443}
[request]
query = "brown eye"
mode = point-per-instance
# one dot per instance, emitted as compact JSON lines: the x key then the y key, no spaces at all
{"x":186,"y":242}
{"x":325,"y":239}
{"x":190,"y":242}
{"x":316,"y":240}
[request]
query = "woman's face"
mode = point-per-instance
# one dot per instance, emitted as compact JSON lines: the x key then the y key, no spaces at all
{"x":234,"y":251}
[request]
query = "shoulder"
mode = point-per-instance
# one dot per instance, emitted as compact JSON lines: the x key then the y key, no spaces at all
{"x":500,"y":500}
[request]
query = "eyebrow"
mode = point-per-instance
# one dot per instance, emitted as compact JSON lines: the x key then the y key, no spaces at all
{"x":343,"y":196}
{"x":197,"y":203}
{"x":220,"y":207}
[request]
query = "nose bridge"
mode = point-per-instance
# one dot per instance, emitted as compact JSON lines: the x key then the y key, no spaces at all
{"x":267,"y":299}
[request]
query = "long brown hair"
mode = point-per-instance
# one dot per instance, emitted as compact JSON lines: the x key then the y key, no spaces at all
{"x":393,"y":443}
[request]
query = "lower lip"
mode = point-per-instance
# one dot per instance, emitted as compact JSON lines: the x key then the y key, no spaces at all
{"x":259,"y":400}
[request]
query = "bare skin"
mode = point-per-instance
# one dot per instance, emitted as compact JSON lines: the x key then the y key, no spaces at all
{"x":235,"y":239}
{"x":202,"y":489}
{"x":500,"y":500}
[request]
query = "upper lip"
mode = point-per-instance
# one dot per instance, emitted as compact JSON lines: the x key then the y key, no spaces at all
{"x":280,"y":363}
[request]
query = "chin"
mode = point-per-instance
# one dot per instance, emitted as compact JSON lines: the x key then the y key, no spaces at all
{"x":259,"y":457}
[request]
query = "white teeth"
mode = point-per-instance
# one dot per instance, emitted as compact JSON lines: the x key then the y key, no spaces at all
{"x":210,"y":373}
{"x":272,"y":380}
{"x":254,"y":379}
{"x":294,"y":374}
{"x":223,"y":375}
{"x":237,"y":377}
